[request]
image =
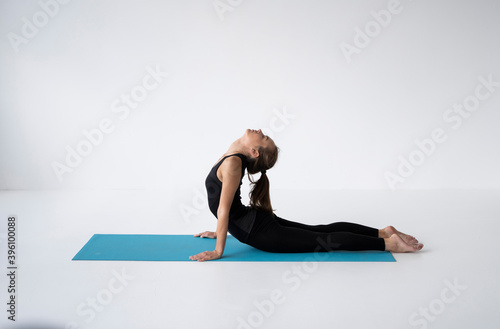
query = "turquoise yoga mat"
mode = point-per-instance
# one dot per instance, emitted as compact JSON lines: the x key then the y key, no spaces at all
{"x":150,"y":247}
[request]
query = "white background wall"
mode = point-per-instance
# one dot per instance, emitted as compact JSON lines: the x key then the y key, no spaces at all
{"x":348,"y":124}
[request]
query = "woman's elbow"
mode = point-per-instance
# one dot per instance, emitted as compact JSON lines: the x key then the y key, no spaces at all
{"x":222,"y":212}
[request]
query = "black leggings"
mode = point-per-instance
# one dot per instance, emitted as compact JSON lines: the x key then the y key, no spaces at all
{"x":274,"y":234}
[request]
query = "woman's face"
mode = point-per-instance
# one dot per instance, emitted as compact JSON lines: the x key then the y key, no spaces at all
{"x":256,"y":139}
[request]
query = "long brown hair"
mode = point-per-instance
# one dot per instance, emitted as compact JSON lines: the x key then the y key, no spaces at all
{"x":259,"y":193}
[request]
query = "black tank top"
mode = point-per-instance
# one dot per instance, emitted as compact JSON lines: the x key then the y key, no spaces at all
{"x":241,"y":217}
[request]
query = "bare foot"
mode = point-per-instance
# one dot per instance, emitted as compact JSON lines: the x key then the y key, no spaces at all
{"x":390,"y":230}
{"x":396,"y":244}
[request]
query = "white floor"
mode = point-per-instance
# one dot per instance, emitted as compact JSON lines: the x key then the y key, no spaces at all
{"x":452,"y":283}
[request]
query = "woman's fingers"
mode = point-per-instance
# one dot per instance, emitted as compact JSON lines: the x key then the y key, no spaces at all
{"x":206,"y":234}
{"x":203,"y":256}
{"x":199,"y":257}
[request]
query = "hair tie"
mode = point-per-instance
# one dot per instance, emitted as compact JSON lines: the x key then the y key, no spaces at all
{"x":263,"y":171}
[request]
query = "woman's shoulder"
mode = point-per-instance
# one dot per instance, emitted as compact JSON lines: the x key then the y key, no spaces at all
{"x":233,"y":157}
{"x":231,"y":167}
{"x":232,"y":163}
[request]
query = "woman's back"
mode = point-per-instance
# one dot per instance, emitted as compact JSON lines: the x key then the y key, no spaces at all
{"x":241,"y":217}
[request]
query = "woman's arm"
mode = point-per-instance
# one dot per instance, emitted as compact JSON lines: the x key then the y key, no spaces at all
{"x":231,"y":175}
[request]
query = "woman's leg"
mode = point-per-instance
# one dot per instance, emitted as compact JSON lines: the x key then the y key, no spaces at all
{"x":273,"y":234}
{"x":333,"y":227}
{"x":386,"y":232}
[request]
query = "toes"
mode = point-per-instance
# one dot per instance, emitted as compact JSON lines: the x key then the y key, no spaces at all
{"x":417,"y":247}
{"x":409,"y":238}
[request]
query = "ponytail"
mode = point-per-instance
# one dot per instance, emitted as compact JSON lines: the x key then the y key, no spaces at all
{"x":259,"y":194}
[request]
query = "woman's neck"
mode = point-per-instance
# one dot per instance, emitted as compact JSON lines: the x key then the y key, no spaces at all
{"x":238,"y":147}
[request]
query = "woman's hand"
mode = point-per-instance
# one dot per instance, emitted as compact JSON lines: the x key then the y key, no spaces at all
{"x":207,"y":234}
{"x":206,"y":255}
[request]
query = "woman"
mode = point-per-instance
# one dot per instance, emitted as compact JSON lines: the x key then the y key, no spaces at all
{"x":257,"y":225}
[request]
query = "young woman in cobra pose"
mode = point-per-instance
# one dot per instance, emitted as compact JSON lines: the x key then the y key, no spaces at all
{"x":258,"y":226}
